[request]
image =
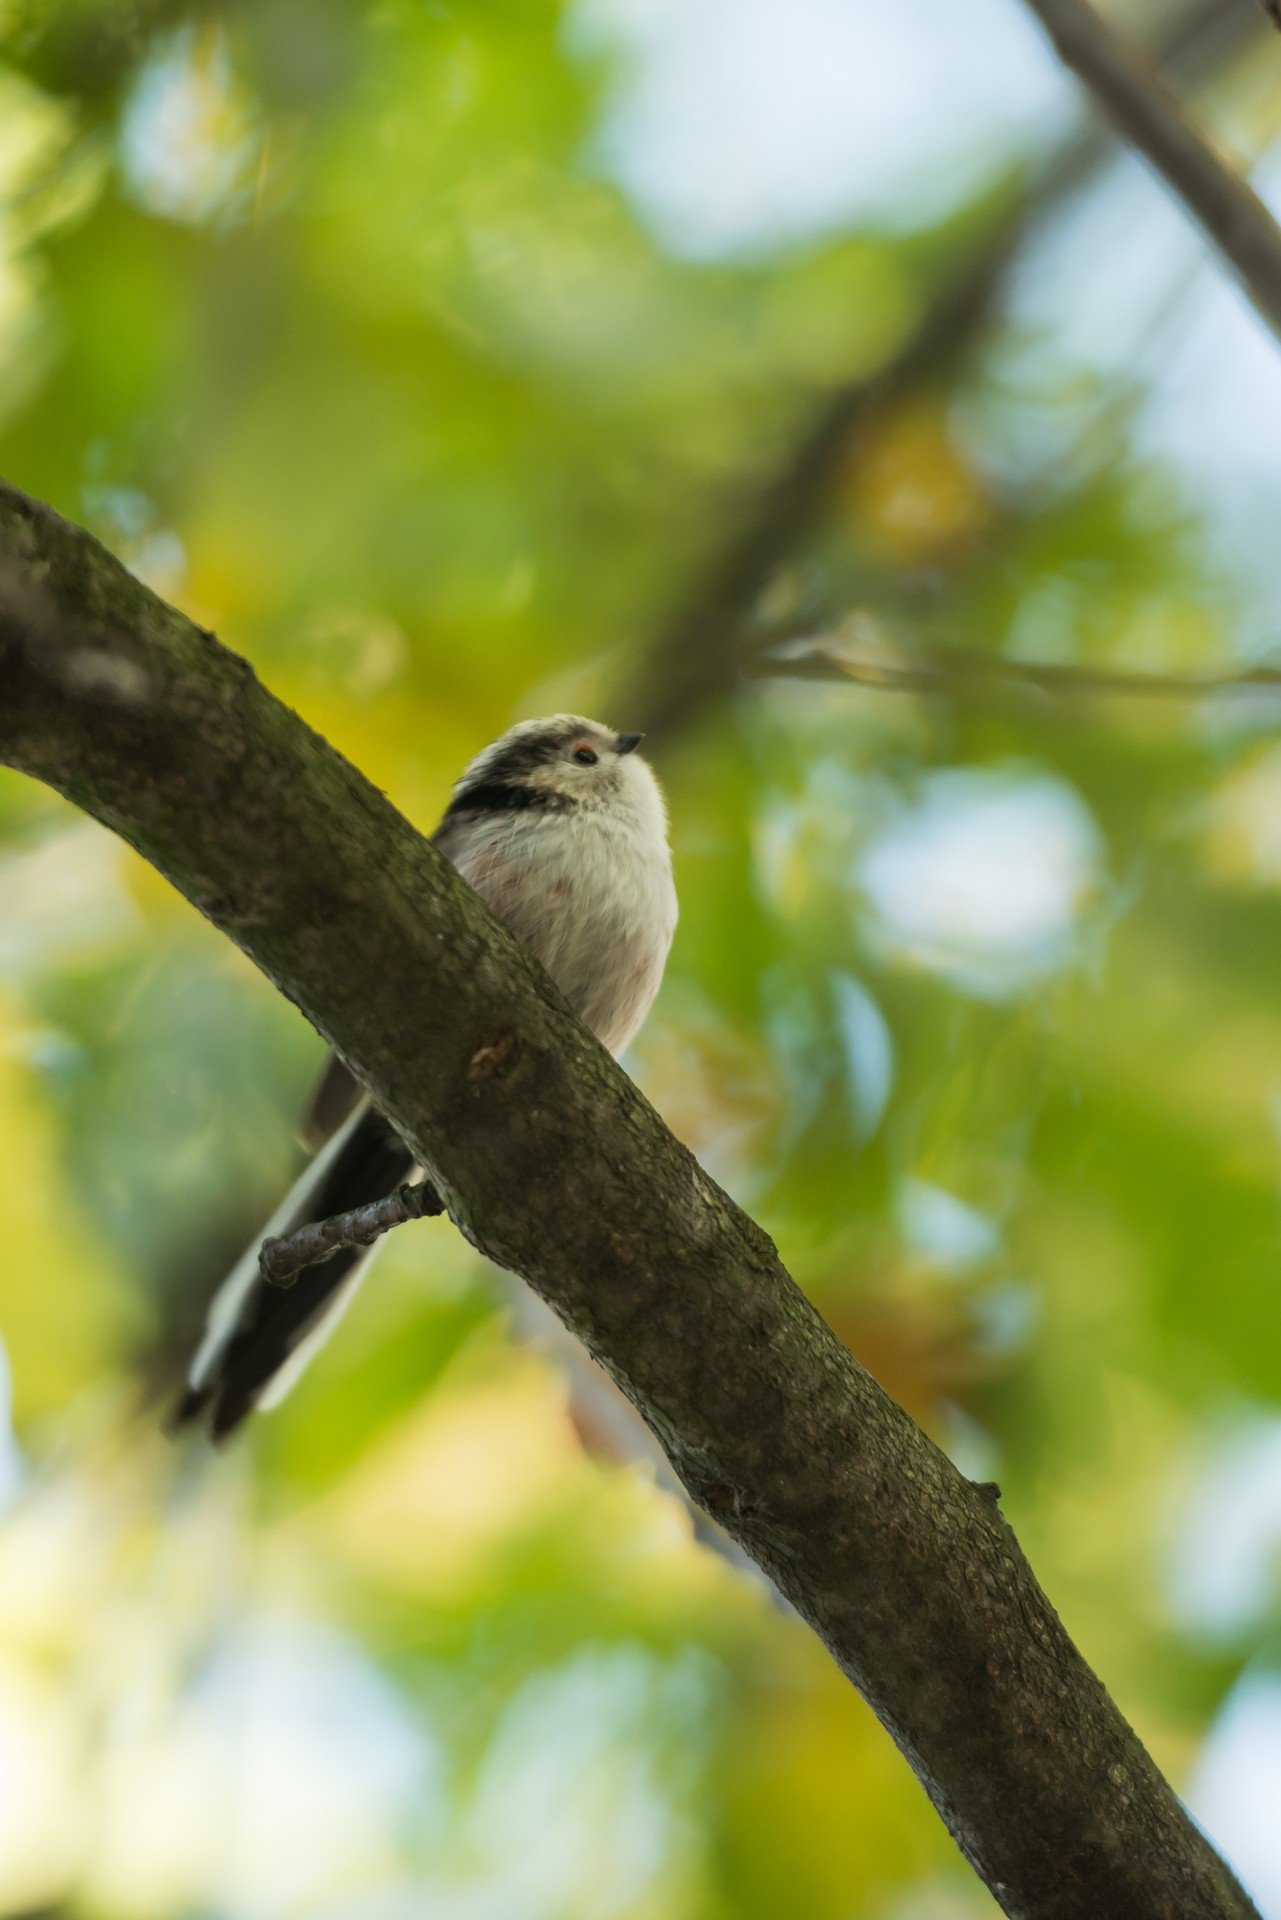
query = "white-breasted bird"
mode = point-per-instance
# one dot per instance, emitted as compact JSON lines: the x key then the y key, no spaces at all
{"x":560,"y":827}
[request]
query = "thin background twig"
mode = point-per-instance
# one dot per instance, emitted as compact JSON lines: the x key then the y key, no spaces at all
{"x":697,"y":654}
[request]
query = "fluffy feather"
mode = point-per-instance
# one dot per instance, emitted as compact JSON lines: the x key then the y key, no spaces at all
{"x":560,"y":827}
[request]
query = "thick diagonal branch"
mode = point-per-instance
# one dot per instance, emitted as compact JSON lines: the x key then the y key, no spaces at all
{"x":555,"y":1166}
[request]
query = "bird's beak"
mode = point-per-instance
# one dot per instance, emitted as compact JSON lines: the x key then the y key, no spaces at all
{"x":628,"y":742}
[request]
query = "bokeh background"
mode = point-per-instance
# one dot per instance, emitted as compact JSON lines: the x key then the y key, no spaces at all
{"x":457,"y":362}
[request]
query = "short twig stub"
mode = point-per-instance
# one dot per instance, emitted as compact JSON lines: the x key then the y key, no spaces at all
{"x":283,"y":1256}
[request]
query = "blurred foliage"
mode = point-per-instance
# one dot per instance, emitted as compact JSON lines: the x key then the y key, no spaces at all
{"x":333,"y":320}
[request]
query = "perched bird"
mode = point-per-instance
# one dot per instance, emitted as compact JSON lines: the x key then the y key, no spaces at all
{"x":560,"y":827}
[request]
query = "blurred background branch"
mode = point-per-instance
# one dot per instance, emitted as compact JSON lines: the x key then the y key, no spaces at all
{"x":1143,"y":109}
{"x":696,"y":656}
{"x":959,"y":672}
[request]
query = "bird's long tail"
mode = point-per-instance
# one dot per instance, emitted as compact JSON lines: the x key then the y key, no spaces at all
{"x":258,"y":1337}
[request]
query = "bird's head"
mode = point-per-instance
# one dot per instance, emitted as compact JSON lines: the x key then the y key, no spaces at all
{"x":559,"y":764}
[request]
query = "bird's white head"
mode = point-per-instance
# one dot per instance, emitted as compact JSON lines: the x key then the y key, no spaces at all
{"x":560,"y":764}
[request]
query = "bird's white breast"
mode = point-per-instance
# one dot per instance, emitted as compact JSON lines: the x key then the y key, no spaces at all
{"x":590,"y":892}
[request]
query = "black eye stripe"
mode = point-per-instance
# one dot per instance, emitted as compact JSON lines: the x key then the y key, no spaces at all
{"x":493,"y":796}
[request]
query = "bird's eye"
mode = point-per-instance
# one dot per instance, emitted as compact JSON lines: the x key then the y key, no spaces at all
{"x":586,"y":756}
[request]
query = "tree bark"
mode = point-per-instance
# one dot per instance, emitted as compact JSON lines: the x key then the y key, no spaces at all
{"x":554,"y":1165}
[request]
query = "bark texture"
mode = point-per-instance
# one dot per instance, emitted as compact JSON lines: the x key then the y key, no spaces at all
{"x":283,"y":1257}
{"x":553,"y":1164}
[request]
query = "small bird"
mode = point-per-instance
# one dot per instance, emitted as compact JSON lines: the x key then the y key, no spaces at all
{"x":561,"y":828}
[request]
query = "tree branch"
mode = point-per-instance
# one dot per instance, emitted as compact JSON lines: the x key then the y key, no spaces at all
{"x":696,"y":656}
{"x":282,"y":1257}
{"x":554,"y":1165}
{"x":1143,"y":109}
{"x":963,"y":672}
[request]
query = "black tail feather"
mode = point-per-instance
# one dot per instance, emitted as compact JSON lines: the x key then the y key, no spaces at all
{"x":273,"y":1321}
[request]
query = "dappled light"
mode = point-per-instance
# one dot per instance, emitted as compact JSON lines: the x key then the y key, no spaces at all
{"x":435,"y":357}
